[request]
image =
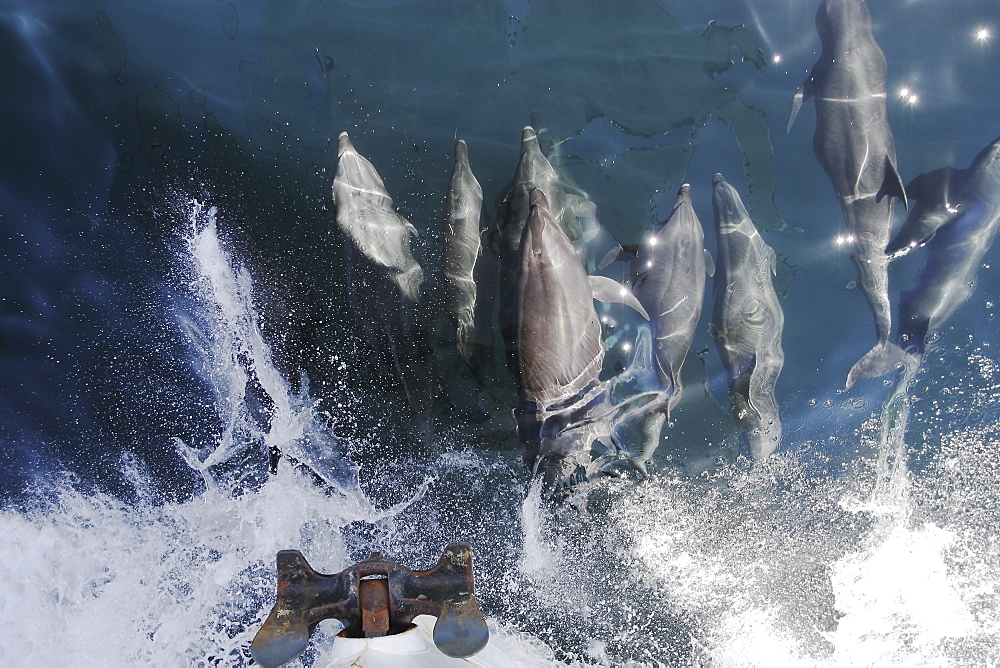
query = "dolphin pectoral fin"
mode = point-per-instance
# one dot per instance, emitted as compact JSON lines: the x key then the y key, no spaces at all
{"x":892,"y":184}
{"x":613,"y":254}
{"x":906,"y":240}
{"x":605,"y":289}
{"x":709,"y":264}
{"x":880,"y":360}
{"x":626,"y":467}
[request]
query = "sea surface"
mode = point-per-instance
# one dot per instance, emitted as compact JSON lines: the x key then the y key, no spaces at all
{"x":175,"y":312}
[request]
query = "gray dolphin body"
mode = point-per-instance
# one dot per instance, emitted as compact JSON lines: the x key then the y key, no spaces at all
{"x":564,"y":406}
{"x":533,"y":171}
{"x":366,"y":215}
{"x":854,"y":144}
{"x":463,"y":213}
{"x":961,"y":209}
{"x":383,"y":277}
{"x":747,"y":321}
{"x":669,"y":281}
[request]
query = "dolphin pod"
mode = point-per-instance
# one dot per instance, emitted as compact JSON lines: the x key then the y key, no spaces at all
{"x":747,"y":321}
{"x":854,"y":144}
{"x":572,"y":405}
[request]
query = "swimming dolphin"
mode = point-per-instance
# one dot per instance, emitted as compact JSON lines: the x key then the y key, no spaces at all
{"x":564,"y":406}
{"x":382,"y":277}
{"x":596,"y":246}
{"x":463,"y":212}
{"x":942,"y":197}
{"x":854,"y":144}
{"x":533,"y":171}
{"x":747,"y":321}
{"x":669,"y":281}
{"x":469,"y":273}
{"x":366,"y":215}
{"x":960,"y":213}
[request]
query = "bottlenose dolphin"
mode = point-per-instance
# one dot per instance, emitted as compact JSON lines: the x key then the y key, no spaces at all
{"x":669,"y":281}
{"x":944,"y":195}
{"x":747,"y":321}
{"x":596,"y":246}
{"x":382,"y":277}
{"x":463,"y":212}
{"x":960,"y":213}
{"x":853,"y":142}
{"x":366,"y":215}
{"x":533,"y":171}
{"x":469,"y":273}
{"x":564,"y":406}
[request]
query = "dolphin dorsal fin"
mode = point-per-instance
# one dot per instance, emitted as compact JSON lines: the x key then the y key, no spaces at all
{"x":892,"y":184}
{"x":605,"y":289}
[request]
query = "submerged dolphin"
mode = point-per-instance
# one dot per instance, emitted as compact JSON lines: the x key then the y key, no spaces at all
{"x":366,"y":215}
{"x":463,"y":212}
{"x":854,"y":143}
{"x":564,"y":406}
{"x":469,"y":272}
{"x":960,"y":212}
{"x":382,"y":277}
{"x":944,"y":195}
{"x":669,"y":282}
{"x":747,"y":321}
{"x":533,"y":171}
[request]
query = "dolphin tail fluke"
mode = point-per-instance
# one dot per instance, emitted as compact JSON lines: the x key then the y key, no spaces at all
{"x":880,"y":360}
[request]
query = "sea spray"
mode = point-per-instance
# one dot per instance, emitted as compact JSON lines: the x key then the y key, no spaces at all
{"x":97,"y":581}
{"x":235,"y":360}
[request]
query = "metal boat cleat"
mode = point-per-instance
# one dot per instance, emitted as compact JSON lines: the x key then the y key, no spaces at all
{"x":373,"y":598}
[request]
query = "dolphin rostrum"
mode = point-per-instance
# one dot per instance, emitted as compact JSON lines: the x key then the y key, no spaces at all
{"x":564,"y":406}
{"x":669,"y":281}
{"x":747,"y":321}
{"x":959,"y":212}
{"x":854,"y":144}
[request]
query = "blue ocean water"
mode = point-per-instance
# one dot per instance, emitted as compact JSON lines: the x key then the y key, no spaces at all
{"x":174,"y":308}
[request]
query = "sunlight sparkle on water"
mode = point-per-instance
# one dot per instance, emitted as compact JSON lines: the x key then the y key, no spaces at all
{"x":908,"y":96}
{"x":983,"y":34}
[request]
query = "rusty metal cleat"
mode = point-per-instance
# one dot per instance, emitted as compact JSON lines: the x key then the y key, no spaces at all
{"x":373,"y":598}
